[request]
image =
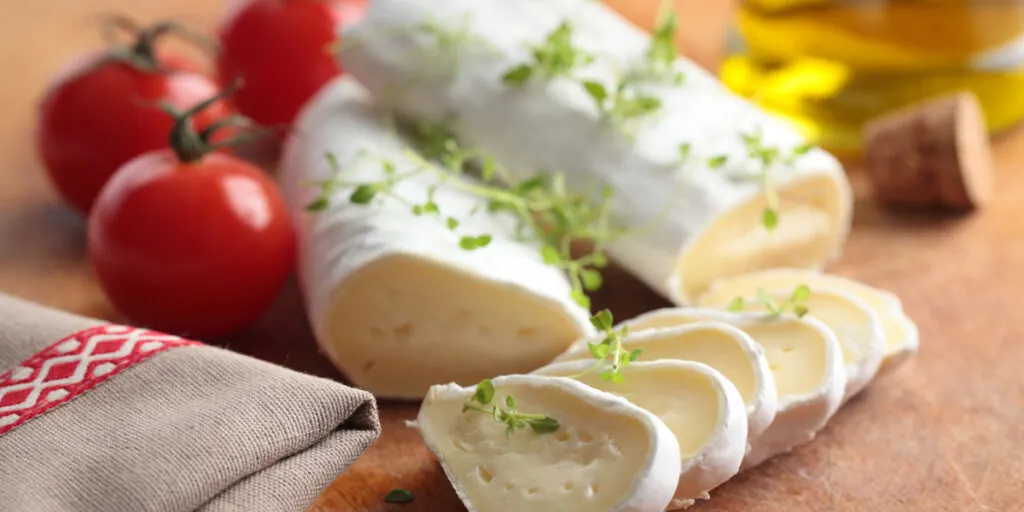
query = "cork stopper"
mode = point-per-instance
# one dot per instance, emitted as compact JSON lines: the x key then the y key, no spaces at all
{"x":933,"y":155}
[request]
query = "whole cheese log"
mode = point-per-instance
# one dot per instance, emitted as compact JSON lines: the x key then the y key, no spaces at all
{"x":607,"y":453}
{"x":394,"y":301}
{"x":693,"y":224}
{"x":698,"y":404}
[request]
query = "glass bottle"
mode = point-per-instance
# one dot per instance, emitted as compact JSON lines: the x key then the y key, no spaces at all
{"x":830,"y":65}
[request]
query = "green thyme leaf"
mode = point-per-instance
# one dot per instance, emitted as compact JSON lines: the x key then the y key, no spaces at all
{"x":517,"y":75}
{"x":544,"y":425}
{"x":684,"y":152}
{"x":399,"y":495}
{"x":716,"y":162}
{"x":363,"y":194}
{"x":597,"y":91}
{"x":592,"y":279}
{"x":801,"y":294}
{"x":510,"y":402}
{"x":602,"y":320}
{"x":484,"y":393}
{"x":770,"y":218}
{"x":737,"y":304}
{"x":635,"y":354}
{"x":452,"y":223}
{"x":318,"y":205}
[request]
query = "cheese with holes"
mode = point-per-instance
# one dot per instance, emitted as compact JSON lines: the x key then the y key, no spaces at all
{"x":806,"y":365}
{"x":607,"y":454}
{"x":692,"y":224}
{"x":856,"y":325}
{"x":394,"y":301}
{"x":701,"y":407}
{"x":723,"y":347}
{"x":900,"y":332}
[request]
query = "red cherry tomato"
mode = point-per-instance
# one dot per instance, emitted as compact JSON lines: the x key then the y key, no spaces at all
{"x":280,"y":48}
{"x":101,"y":111}
{"x":198,"y":248}
{"x":190,"y":241}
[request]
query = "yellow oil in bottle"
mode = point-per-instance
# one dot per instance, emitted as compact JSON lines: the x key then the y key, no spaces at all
{"x":830,"y":65}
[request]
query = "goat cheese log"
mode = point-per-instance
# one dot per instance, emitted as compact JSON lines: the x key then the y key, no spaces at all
{"x":700,"y":406}
{"x":607,"y":453}
{"x":394,"y":301}
{"x":806,"y":365}
{"x":692,"y":223}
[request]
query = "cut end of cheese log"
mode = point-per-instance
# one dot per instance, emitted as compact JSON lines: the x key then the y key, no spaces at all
{"x":394,"y":302}
{"x":700,"y":406}
{"x":856,"y":325}
{"x":813,"y":223}
{"x":935,"y":154}
{"x":718,"y":345}
{"x":900,"y":332}
{"x":404,"y":323}
{"x":806,"y":366}
{"x":607,"y":453}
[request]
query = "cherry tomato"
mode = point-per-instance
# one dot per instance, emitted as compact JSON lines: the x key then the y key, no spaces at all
{"x":190,"y":241}
{"x":101,"y":111}
{"x":280,"y":48}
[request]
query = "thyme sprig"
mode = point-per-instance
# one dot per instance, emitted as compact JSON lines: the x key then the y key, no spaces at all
{"x":482,"y":402}
{"x":796,"y":302}
{"x":555,"y":56}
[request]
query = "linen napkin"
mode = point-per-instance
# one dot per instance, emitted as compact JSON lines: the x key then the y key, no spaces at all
{"x":109,"y":418}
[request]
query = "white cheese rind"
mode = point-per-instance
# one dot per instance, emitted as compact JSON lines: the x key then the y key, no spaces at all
{"x":693,"y":223}
{"x":393,"y":301}
{"x":810,"y":380}
{"x":721,"y":346}
{"x":607,"y":454}
{"x":901,"y":335}
{"x":700,"y":406}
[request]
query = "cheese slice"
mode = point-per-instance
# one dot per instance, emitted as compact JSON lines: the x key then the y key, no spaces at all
{"x":607,"y":453}
{"x":900,"y":332}
{"x":693,"y":223}
{"x":394,"y":301}
{"x":856,"y":325}
{"x":727,"y":349}
{"x":701,"y":407}
{"x":806,"y":364}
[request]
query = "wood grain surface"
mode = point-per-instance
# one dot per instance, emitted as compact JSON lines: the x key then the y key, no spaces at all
{"x":943,"y":433}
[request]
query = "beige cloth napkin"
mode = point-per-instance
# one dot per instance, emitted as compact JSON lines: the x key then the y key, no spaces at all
{"x":190,"y":427}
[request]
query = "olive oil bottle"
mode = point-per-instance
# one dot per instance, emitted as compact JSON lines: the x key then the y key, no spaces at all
{"x":830,"y":65}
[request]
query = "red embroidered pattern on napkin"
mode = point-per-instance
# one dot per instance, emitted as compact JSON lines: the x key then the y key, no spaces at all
{"x":74,"y":365}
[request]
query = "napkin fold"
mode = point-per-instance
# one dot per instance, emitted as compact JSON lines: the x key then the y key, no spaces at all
{"x":106,"y":418}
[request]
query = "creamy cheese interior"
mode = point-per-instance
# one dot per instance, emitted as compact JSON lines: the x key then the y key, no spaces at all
{"x":810,"y":228}
{"x":708,"y":344}
{"x":796,"y":352}
{"x":686,"y":400}
{"x":591,"y":461}
{"x":898,"y":331}
{"x":401,"y":324}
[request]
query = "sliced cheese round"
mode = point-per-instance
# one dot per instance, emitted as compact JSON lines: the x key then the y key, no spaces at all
{"x":806,"y":364}
{"x":607,"y":454}
{"x":856,"y":325}
{"x":701,"y":407}
{"x":900,"y":332}
{"x":725,"y":348}
{"x":694,"y":222}
{"x":394,"y":301}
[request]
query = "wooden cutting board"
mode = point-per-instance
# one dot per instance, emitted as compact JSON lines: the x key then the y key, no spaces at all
{"x":943,"y":433}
